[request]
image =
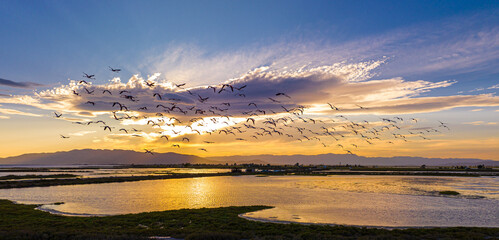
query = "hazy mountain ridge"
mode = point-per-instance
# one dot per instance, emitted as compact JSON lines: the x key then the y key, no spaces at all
{"x":97,"y":157}
{"x":333,"y":159}
{"x":92,"y":156}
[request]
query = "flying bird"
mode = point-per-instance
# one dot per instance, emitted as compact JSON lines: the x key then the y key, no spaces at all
{"x":89,"y":76}
{"x":240,"y":88}
{"x":114,"y":69}
{"x":214,"y":88}
{"x":360,"y":106}
{"x":88,"y":91}
{"x":201,"y":99}
{"x":164,"y":136}
{"x":282,"y":94}
{"x":333,"y":107}
{"x":159,"y":96}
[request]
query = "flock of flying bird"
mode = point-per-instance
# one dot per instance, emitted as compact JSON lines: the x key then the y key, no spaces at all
{"x":278,"y":116}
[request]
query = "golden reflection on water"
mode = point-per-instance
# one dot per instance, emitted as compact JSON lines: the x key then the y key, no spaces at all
{"x":199,"y":191}
{"x":363,"y":200}
{"x":411,"y":185}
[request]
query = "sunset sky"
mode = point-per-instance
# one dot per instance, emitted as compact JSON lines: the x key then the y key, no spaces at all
{"x":410,"y":78}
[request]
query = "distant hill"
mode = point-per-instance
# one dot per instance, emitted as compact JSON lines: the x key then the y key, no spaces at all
{"x":98,"y":157}
{"x":334,"y":159}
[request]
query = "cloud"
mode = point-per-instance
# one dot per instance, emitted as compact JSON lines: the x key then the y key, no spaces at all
{"x":311,"y":74}
{"x":481,"y":123}
{"x":254,"y":92}
{"x":81,"y":133}
{"x":17,"y":112}
{"x":494,"y":87}
{"x":455,"y":45}
{"x":10,"y":83}
{"x":287,"y":106}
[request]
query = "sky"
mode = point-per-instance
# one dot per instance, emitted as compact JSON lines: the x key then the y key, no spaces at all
{"x":372,"y":78}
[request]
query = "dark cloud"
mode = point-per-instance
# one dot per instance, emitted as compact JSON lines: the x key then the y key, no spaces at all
{"x":9,"y":83}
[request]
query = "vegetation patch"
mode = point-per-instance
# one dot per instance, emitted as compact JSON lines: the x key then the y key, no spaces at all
{"x":77,"y":181}
{"x":453,"y":193}
{"x":31,"y":176}
{"x":20,"y":221}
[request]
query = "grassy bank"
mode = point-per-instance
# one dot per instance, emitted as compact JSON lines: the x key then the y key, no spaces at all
{"x":19,"y":221}
{"x":404,"y":173}
{"x":38,"y":181}
{"x":76,"y":181}
{"x":32,"y":176}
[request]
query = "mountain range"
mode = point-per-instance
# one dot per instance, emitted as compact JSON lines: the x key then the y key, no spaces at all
{"x":101,"y":157}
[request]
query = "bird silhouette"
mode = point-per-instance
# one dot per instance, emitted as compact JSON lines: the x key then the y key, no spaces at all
{"x":158,"y":95}
{"x":240,"y":88}
{"x":282,"y":94}
{"x":88,"y":91}
{"x":89,"y":76}
{"x":114,"y":69}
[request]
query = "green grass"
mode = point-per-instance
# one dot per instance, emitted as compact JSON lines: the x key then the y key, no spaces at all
{"x":76,"y":181}
{"x":449,"y":193}
{"x":36,"y":182}
{"x":31,"y":176}
{"x":19,"y":221}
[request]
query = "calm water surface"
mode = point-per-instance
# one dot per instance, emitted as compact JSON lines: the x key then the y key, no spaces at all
{"x":117,"y":172}
{"x":350,"y":200}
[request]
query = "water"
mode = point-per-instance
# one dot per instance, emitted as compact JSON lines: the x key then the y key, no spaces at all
{"x":392,"y":201}
{"x":114,"y":172}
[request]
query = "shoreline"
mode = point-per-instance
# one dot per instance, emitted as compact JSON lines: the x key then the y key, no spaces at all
{"x":242,"y":215}
{"x":41,"y":207}
{"x":66,"y":214}
{"x":23,"y":221}
{"x":27,"y":183}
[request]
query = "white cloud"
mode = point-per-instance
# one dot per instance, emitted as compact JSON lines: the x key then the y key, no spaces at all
{"x":81,"y":133}
{"x":480,"y":123}
{"x":17,"y":112}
